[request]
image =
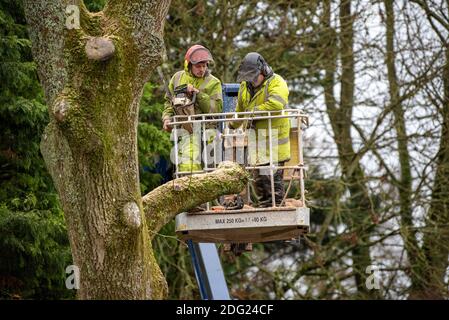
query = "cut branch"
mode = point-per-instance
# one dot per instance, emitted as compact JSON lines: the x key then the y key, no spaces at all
{"x":99,"y":48}
{"x":163,"y":203}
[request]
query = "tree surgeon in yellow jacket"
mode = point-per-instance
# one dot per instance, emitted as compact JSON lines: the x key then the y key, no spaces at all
{"x":199,"y":80}
{"x":263,"y":90}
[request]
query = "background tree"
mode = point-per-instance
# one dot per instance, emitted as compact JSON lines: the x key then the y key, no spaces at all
{"x":432,"y":276}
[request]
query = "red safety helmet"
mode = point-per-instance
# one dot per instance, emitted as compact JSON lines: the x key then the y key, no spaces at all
{"x":197,"y":54}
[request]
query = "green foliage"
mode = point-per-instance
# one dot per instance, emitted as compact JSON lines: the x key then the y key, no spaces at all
{"x":94,"y":5}
{"x":153,"y":143}
{"x":21,"y":108}
{"x":34,"y":254}
{"x":34,"y":247}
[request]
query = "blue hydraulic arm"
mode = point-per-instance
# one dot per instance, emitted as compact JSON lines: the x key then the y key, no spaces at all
{"x":230,"y":92}
{"x":206,"y":262}
{"x":208,"y":271}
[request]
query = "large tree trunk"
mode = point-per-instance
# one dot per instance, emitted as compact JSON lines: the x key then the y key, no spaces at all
{"x":93,"y":79}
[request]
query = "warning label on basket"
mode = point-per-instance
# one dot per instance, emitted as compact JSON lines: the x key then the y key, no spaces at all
{"x":255,"y":219}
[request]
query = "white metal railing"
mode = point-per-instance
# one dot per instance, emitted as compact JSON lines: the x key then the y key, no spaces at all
{"x":221,"y":122}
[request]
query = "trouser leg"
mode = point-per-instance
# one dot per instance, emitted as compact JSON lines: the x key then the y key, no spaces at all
{"x":189,"y":158}
{"x":262,"y":182}
{"x":279,"y":186}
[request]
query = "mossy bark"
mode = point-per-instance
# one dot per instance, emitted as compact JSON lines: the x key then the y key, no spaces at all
{"x":185,"y":193}
{"x":90,"y":145}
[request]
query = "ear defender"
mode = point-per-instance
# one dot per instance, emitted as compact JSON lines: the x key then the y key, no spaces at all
{"x":263,"y":66}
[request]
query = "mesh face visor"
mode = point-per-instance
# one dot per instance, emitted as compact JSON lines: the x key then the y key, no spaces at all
{"x":248,"y":72}
{"x":251,"y":67}
{"x":200,"y":55}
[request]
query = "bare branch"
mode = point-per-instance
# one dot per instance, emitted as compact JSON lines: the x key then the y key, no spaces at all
{"x":431,"y":14}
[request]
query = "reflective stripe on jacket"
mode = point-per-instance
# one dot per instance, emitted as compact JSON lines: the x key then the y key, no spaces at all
{"x":271,"y":96}
{"x":208,"y":100}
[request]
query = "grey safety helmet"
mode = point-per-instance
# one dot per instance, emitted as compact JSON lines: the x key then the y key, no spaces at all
{"x":252,"y":65}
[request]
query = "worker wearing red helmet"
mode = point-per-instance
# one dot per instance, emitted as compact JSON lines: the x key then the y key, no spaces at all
{"x":199,"y":80}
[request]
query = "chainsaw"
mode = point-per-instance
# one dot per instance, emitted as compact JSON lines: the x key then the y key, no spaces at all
{"x":183,"y":103}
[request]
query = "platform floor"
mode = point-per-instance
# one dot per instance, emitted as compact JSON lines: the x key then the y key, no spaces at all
{"x":248,"y":225}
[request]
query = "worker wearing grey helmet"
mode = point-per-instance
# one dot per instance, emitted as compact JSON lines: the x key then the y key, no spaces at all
{"x":263,"y":90}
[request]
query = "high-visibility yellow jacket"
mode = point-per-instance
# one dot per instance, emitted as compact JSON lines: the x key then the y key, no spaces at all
{"x":272,"y":95}
{"x":208,"y":100}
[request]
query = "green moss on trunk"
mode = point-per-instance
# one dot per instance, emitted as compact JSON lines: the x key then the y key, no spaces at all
{"x":90,"y":145}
